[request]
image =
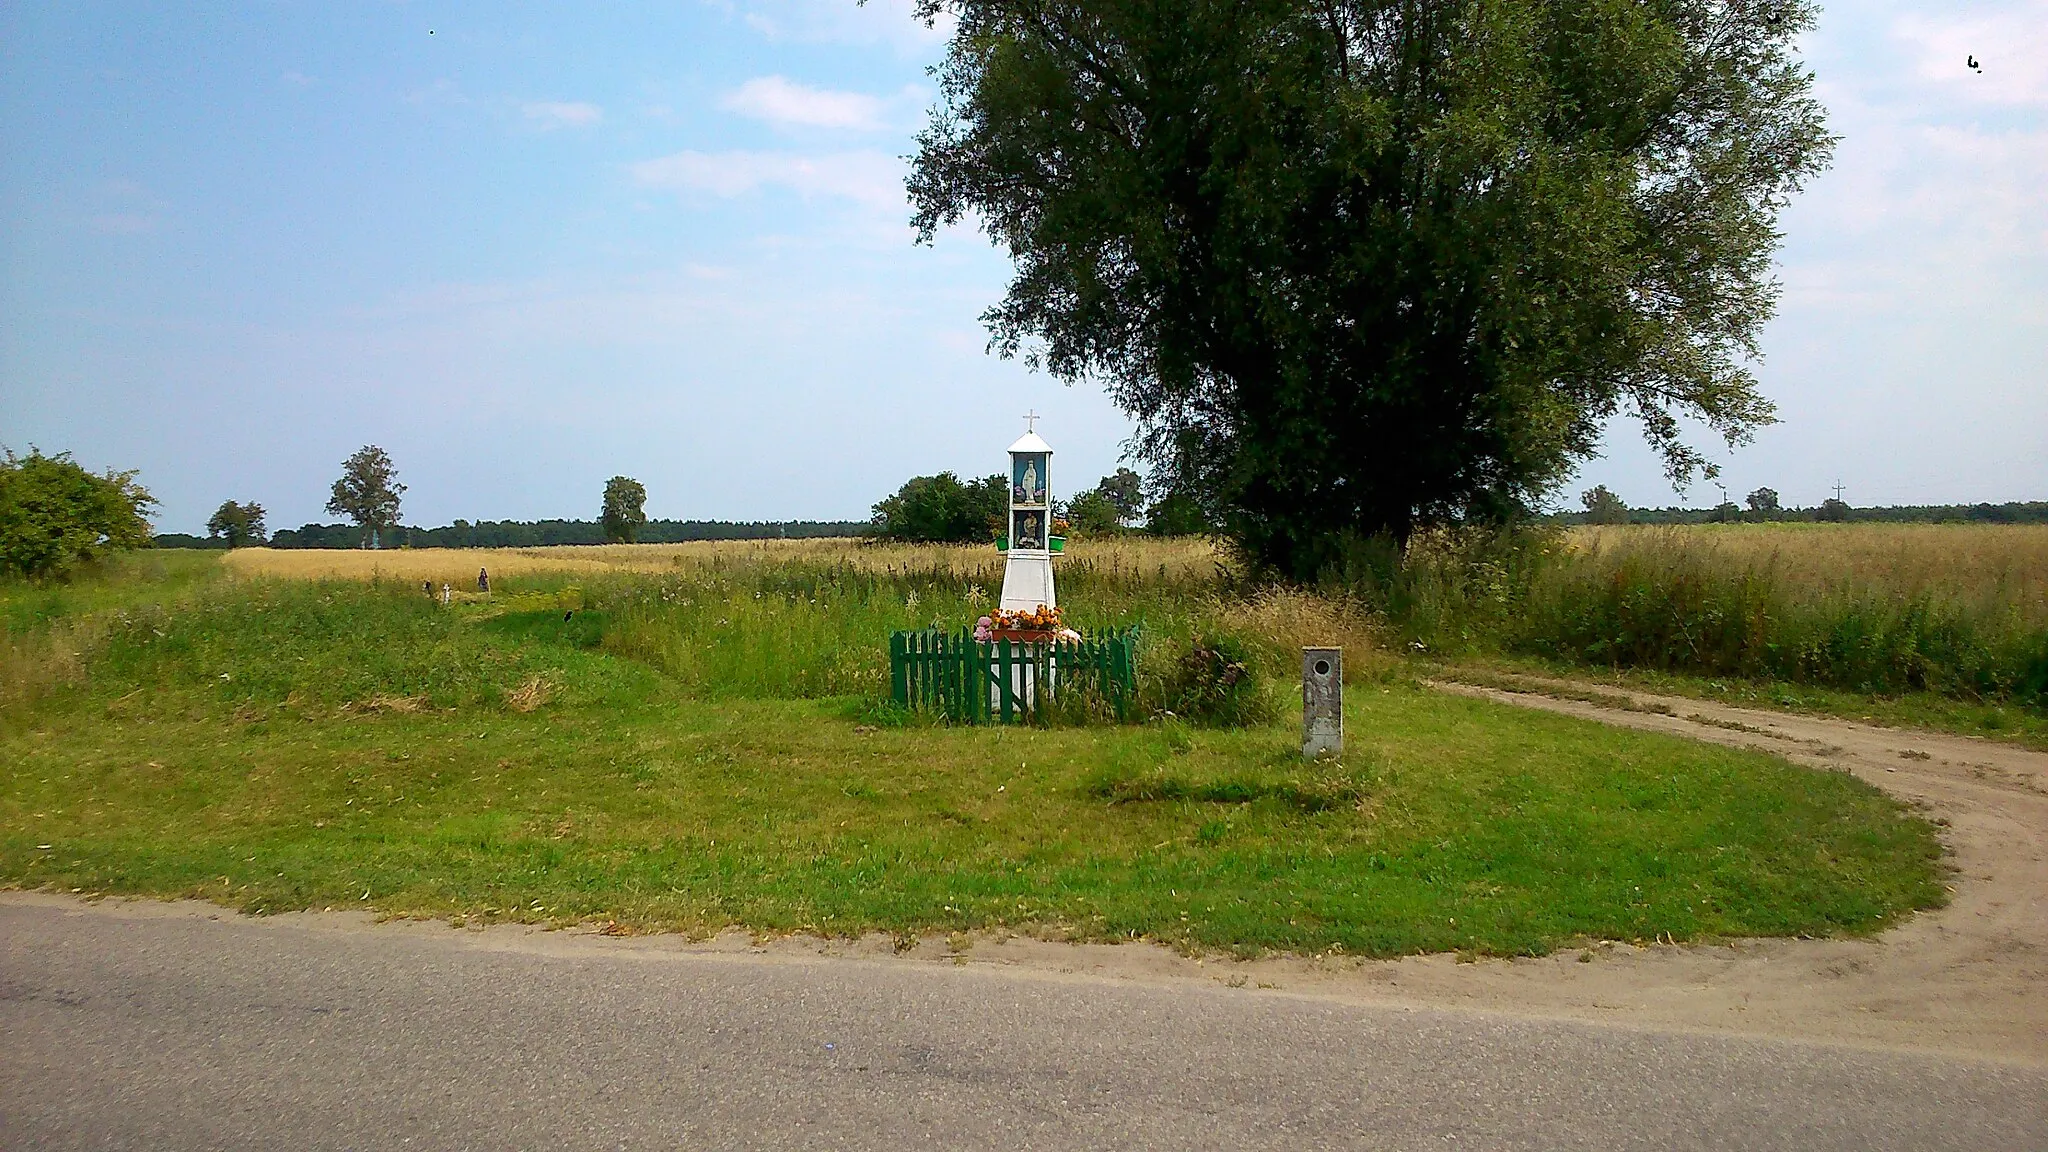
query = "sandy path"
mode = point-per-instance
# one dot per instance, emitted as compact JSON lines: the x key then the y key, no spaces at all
{"x":1972,"y":977}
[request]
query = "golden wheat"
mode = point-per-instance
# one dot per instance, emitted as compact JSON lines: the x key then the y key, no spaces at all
{"x":458,"y":566}
{"x":1996,"y":564}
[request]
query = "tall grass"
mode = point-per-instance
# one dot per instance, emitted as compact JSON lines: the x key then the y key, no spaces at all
{"x":50,"y":631}
{"x":317,"y":648}
{"x":1174,"y":560}
{"x":770,"y":627}
{"x":1959,"y":611}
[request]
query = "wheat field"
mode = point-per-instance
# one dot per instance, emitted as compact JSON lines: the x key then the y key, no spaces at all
{"x":1991,"y":565}
{"x":1174,"y":559}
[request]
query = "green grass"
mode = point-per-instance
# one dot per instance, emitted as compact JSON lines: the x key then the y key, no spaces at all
{"x":288,"y":745}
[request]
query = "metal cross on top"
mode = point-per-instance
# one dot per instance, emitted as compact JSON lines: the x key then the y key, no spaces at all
{"x":1031,"y":421}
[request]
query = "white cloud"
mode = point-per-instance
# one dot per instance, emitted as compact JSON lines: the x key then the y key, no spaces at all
{"x":892,"y":22}
{"x":874,"y":179}
{"x":560,"y":114}
{"x":2009,"y":43}
{"x":298,"y":79}
{"x":785,"y":103}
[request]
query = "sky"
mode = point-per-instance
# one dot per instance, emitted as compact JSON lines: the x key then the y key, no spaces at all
{"x":528,"y":247}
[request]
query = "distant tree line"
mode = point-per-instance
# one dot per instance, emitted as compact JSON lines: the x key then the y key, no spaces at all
{"x":947,"y":509}
{"x":534,"y":533}
{"x":1601,"y":506}
{"x":369,"y":493}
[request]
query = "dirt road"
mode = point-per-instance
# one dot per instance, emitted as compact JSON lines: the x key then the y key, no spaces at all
{"x":1970,"y":978}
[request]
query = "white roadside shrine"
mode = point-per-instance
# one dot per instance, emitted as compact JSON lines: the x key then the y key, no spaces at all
{"x":1027,"y":566}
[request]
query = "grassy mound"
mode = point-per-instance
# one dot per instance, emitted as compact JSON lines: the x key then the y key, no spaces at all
{"x":640,"y":750}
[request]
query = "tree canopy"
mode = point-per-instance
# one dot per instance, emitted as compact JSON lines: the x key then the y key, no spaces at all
{"x":625,"y":509}
{"x":368,"y":491}
{"x":943,"y":509}
{"x":1110,"y":506}
{"x":238,"y":525}
{"x":1359,"y":266}
{"x":1603,"y":507}
{"x":55,"y":515}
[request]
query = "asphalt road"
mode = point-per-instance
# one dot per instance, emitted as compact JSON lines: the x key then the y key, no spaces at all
{"x":162,"y":1031}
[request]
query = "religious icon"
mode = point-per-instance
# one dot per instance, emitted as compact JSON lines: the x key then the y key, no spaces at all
{"x":1027,"y":479}
{"x":1030,"y":530}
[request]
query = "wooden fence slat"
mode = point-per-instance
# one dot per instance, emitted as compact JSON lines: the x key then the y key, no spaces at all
{"x":899,"y":687}
{"x":970,"y":681}
{"x":1005,"y":681}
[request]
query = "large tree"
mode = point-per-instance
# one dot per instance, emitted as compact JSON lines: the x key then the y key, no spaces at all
{"x":54,"y":514}
{"x":368,"y":492}
{"x":238,"y":524}
{"x":1359,"y":266}
{"x":625,"y":509}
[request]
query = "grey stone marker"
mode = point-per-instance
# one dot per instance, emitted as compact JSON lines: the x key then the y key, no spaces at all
{"x":1322,"y":702}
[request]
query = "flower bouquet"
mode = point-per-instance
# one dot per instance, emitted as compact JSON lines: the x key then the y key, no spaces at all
{"x":1040,"y":623}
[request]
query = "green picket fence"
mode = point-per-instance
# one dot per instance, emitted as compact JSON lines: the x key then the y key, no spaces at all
{"x":1007,"y":681}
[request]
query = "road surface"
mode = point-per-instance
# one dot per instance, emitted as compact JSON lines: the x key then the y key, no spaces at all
{"x":150,"y":1026}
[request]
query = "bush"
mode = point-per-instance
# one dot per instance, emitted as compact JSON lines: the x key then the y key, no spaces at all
{"x":55,"y":515}
{"x":1213,"y":682}
{"x":941,"y":509}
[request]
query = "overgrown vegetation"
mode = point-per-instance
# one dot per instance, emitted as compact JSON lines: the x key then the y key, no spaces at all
{"x":1211,"y":680}
{"x":1956,"y":611}
{"x":698,"y":746}
{"x":55,"y":515}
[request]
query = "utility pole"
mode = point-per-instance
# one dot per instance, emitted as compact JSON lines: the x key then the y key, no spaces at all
{"x":1838,"y":490}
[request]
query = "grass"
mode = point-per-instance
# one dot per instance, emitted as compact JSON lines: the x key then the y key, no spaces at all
{"x":1952,"y":611}
{"x":696,"y":747}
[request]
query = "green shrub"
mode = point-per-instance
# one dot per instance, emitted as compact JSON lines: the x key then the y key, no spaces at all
{"x":1212,"y":681}
{"x":941,"y":508}
{"x":55,"y":515}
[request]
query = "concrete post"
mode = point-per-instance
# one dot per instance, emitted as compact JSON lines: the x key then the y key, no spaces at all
{"x":1322,"y":702}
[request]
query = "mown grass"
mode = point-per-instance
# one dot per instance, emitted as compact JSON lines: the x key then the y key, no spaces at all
{"x":697,"y":750}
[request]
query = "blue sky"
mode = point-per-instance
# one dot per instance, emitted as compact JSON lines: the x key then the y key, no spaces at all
{"x":525,"y":248}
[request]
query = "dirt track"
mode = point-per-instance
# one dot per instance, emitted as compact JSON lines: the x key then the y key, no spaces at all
{"x":1972,"y":977}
